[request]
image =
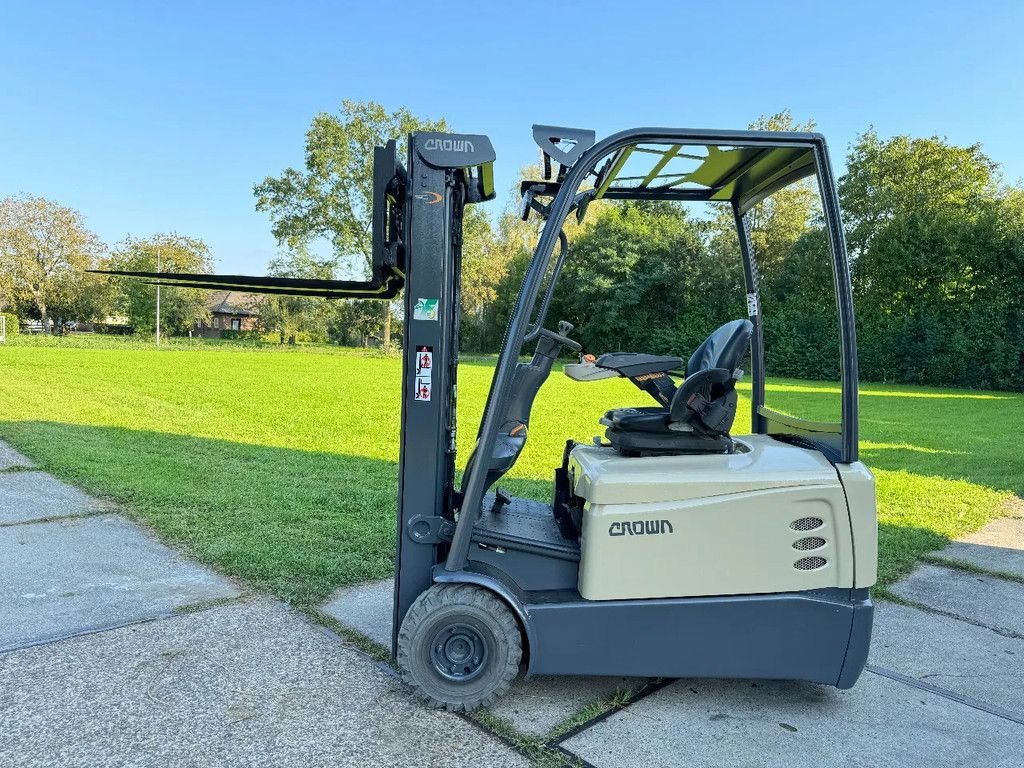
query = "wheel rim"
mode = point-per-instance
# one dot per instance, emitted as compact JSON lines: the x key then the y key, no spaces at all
{"x":458,"y":652}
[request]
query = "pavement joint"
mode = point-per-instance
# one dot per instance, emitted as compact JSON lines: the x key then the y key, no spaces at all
{"x":519,"y":743}
{"x":640,"y":694}
{"x":523,"y":744}
{"x":60,"y":518}
{"x":351,"y":638}
{"x":965,"y":619}
{"x":576,"y":759}
{"x":35,"y":643}
{"x":314,"y":619}
{"x":213,"y":602}
{"x":939,"y":691}
{"x":184,"y":610}
{"x":963,"y":565}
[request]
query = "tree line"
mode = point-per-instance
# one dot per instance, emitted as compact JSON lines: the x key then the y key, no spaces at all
{"x":936,"y":240}
{"x":46,"y":252}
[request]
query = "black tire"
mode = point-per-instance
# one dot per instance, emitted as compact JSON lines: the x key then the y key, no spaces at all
{"x":459,"y":647}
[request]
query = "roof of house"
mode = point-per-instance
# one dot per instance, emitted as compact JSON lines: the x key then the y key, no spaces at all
{"x":232,"y":303}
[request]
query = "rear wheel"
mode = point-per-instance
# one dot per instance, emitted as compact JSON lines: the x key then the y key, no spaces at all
{"x":459,"y":647}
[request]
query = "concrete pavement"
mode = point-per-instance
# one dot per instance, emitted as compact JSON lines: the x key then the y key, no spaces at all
{"x":243,"y":684}
{"x":115,"y":650}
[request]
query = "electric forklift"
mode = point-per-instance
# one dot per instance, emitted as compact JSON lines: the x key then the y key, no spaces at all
{"x":670,"y":548}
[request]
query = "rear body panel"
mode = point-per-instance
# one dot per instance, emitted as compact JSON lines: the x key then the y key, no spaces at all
{"x":772,"y":517}
{"x":816,"y":636}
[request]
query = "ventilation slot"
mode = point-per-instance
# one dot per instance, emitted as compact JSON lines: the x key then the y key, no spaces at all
{"x":811,"y":542}
{"x":810,"y":563}
{"x":807,"y":524}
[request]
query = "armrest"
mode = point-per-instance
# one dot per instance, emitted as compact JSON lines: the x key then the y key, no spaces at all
{"x":629,"y":364}
{"x":587,"y":372}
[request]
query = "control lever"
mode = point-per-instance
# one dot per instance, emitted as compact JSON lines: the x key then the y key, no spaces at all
{"x":564,"y":328}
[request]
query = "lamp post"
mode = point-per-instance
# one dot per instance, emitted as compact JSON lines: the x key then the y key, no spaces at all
{"x":158,"y":299}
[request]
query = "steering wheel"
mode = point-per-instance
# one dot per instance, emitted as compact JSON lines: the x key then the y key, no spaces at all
{"x":561,"y":337}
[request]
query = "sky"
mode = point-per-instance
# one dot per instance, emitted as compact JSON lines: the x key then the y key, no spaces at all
{"x":156,"y":117}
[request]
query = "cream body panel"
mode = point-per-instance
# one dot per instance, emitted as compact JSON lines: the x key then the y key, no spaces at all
{"x":859,"y":485}
{"x":725,"y":545}
{"x":602,"y":476}
{"x":711,"y":524}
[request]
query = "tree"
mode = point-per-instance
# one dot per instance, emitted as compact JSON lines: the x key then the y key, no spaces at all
{"x":332,"y":196}
{"x":43,"y":245}
{"x":292,"y":314}
{"x":352,"y":322}
{"x":180,"y":308}
{"x":495,"y":260}
{"x":901,"y":175}
{"x":81,"y":296}
{"x":639,"y":278}
{"x":485,"y":260}
{"x":936,"y":245}
{"x":777,"y":222}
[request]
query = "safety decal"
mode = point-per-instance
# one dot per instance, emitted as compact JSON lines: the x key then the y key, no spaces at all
{"x":424,"y":373}
{"x":751,"y":305}
{"x":425,"y":309}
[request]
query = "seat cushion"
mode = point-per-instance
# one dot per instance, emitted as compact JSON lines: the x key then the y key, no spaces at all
{"x":668,"y":442}
{"x":640,"y":419}
{"x":649,"y":419}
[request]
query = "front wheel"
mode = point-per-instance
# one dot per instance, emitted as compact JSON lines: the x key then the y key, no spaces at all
{"x":459,"y":647}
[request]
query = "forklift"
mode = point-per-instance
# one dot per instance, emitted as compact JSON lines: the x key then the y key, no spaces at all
{"x":670,"y":548}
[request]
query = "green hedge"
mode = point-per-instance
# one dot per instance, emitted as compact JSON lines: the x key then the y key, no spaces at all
{"x":13,"y":328}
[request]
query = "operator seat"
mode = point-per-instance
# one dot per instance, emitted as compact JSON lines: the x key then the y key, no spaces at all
{"x":701,"y":411}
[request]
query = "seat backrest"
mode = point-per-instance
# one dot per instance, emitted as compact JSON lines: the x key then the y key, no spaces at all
{"x":707,"y":397}
{"x":724,"y":348}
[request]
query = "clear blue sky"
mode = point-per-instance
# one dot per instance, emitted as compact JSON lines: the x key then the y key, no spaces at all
{"x":152,"y":117}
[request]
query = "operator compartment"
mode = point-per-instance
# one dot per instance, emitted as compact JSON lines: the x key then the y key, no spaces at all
{"x":769,"y":517}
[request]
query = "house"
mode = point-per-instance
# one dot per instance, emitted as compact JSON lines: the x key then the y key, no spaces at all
{"x":229,"y":311}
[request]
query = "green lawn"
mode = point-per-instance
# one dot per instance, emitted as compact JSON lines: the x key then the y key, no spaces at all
{"x":279,"y":465}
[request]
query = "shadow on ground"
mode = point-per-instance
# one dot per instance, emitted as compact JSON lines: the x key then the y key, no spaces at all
{"x":302,"y":523}
{"x":299,"y":523}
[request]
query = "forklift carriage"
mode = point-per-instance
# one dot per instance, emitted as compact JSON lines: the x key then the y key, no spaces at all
{"x":674,"y":549}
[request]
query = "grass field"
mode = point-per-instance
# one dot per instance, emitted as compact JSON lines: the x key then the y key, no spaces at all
{"x":279,"y":465}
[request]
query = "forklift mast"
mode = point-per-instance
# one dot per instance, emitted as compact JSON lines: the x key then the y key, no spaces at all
{"x":418,"y":233}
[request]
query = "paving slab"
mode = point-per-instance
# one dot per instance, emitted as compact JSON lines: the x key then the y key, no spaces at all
{"x":880,"y":723}
{"x":963,"y":658}
{"x":533,"y":706}
{"x":366,"y":608}
{"x":245,"y":684}
{"x":999,"y":546}
{"x":11,"y":458}
{"x":70,"y":576}
{"x":996,"y":603}
{"x":539,"y":704}
{"x":26,"y":496}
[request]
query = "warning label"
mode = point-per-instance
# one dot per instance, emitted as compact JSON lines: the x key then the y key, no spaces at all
{"x":423,"y":386}
{"x":424,"y":381}
{"x":424,"y":360}
{"x":752,"y":304}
